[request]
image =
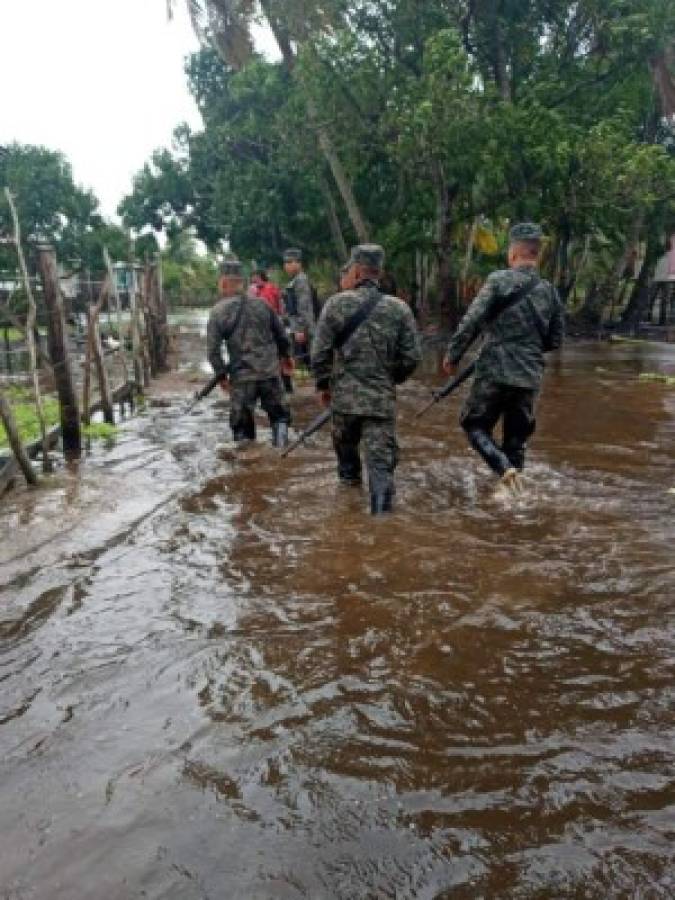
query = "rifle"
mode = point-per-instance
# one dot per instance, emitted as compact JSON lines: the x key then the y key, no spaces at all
{"x":311,"y":429}
{"x":206,"y":390}
{"x":448,"y":388}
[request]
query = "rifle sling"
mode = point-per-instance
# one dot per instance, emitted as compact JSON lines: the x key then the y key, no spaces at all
{"x":522,"y":293}
{"x":358,"y":318}
{"x":237,"y":319}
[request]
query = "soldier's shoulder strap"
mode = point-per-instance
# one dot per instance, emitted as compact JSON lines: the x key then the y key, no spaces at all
{"x":237,"y":319}
{"x":522,"y":293}
{"x":357,"y":319}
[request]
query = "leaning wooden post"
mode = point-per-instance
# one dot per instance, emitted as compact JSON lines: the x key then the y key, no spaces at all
{"x":118,"y":313}
{"x":86,"y":375}
{"x":94,"y":338}
{"x":63,"y":376}
{"x":30,"y":334}
{"x":137,"y":351}
{"x":7,"y":417}
{"x":149,"y":315}
{"x":162,"y":316}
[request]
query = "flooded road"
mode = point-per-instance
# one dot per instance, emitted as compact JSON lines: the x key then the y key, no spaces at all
{"x":221,"y":679}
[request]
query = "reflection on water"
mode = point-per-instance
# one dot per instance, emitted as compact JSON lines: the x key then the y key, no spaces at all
{"x":222,"y":679}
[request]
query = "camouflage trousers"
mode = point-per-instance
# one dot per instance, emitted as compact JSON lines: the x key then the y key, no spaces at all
{"x":244,"y":396}
{"x":379,"y":444}
{"x":487,"y":403}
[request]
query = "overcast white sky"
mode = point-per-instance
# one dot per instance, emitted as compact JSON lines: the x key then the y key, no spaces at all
{"x":100,"y":80}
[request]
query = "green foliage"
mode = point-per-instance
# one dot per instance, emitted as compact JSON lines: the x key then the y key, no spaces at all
{"x":52,"y":208}
{"x":442,"y":115}
{"x":100,"y":431}
{"x":23,"y":407}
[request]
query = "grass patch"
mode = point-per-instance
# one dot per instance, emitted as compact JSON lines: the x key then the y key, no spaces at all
{"x":657,"y":376}
{"x":23,"y":407}
{"x":16,"y":336}
{"x":100,"y":431}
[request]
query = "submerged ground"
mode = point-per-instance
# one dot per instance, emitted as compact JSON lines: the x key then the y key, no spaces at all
{"x":222,"y":679}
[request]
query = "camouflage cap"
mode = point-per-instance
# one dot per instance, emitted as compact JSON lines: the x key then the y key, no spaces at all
{"x":371,"y":255}
{"x":293,"y":255}
{"x":231,"y":266}
{"x":525,"y":231}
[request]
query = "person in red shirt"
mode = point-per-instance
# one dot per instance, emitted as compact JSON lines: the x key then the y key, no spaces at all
{"x":266,"y":290}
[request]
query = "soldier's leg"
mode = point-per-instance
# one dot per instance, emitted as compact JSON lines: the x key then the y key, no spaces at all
{"x":381,"y":449}
{"x":519,"y":424}
{"x":346,"y":437}
{"x":273,"y":401}
{"x":479,"y":416}
{"x":243,"y":398}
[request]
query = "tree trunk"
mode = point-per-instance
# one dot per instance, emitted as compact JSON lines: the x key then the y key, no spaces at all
{"x":7,"y":417}
{"x":640,"y":295}
{"x":334,"y":222}
{"x":445,"y":195}
{"x":324,"y":141}
{"x":58,"y":352}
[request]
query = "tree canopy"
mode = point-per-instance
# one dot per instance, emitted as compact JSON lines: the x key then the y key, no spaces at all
{"x":428,"y":126}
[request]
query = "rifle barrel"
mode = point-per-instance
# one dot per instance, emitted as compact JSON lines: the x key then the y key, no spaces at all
{"x":311,"y":429}
{"x":448,"y":388}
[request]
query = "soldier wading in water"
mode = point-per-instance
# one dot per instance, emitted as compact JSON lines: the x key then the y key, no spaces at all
{"x":258,"y":350}
{"x":521,"y":318}
{"x":366,"y":343}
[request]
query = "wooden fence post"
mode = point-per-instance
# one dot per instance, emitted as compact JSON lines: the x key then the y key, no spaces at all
{"x":58,"y":351}
{"x":30,"y":334}
{"x":99,"y":362}
{"x":7,"y":417}
{"x":118,"y":313}
{"x":162,"y":315}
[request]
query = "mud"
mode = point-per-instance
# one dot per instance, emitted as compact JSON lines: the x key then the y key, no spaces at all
{"x":221,"y":679}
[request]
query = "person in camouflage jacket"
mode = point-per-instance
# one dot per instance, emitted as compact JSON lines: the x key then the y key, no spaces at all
{"x":520,"y":317}
{"x":358,"y":380}
{"x":299,"y":303}
{"x":257,"y":347}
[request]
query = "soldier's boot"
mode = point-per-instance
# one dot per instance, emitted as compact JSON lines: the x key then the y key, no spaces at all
{"x":349,"y":466}
{"x":515,"y":452}
{"x":486,"y":448}
{"x":512,"y":481}
{"x":381,"y":502}
{"x":280,"y":434}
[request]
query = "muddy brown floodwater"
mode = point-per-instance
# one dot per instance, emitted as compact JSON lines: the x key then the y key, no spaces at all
{"x":221,"y":679}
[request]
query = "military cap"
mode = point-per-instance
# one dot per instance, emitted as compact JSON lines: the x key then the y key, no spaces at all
{"x":525,"y":231}
{"x":371,"y":255}
{"x":293,"y":255}
{"x":231,"y":266}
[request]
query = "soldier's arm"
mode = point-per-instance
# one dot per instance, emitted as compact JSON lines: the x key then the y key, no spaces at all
{"x":556,"y":327}
{"x":322,"y":348}
{"x":303,"y":293}
{"x":472,"y":323}
{"x":280,"y":336}
{"x":408,"y":349}
{"x":214,"y":341}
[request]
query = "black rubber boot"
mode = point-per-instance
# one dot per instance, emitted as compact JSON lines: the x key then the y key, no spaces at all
{"x":515,"y":453}
{"x":380,"y":503}
{"x":483,"y":444}
{"x":280,"y":434}
{"x":349,"y":468}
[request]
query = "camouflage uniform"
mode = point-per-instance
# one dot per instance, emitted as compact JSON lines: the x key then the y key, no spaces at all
{"x":254,"y":349}
{"x":511,"y":363}
{"x":300,"y":307}
{"x":383,"y":352}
